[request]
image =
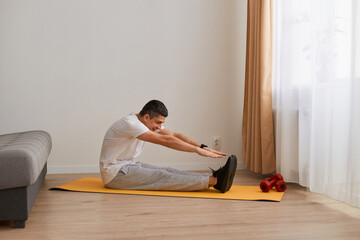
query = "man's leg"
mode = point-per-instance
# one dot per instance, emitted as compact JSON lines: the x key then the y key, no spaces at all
{"x":173,"y":170}
{"x":212,"y":180}
{"x":136,"y":176}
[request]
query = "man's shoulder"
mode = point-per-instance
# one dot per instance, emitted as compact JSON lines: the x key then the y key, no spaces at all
{"x":128,"y":123}
{"x":130,"y":119}
{"x":124,"y":121}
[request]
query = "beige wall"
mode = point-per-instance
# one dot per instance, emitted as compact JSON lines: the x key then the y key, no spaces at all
{"x":72,"y":68}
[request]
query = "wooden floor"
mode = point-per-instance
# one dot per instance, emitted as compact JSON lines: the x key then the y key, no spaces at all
{"x":73,"y":215}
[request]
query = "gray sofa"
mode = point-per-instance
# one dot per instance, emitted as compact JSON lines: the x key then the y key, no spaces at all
{"x":23,"y":161}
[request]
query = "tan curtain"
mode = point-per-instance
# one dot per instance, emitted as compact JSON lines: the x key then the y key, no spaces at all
{"x":257,"y":130}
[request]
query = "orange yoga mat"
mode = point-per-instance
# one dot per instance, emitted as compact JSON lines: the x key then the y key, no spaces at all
{"x":95,"y":185}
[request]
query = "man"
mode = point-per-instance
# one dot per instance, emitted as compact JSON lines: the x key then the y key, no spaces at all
{"x":124,"y":141}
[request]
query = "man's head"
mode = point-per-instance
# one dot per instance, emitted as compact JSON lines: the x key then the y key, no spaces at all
{"x":154,"y":108}
{"x":153,"y":114}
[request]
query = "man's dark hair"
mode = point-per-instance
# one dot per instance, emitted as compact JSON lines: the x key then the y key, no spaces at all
{"x":154,"y":108}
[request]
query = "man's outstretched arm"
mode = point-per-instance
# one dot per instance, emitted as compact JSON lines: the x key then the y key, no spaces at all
{"x":188,"y":140}
{"x":180,"y":136}
{"x":171,"y":141}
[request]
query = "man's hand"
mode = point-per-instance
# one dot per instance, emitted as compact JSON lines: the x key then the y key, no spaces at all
{"x":213,"y":151}
{"x":206,"y":153}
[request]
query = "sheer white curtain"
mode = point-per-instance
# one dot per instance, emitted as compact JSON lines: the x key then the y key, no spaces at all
{"x":316,"y":95}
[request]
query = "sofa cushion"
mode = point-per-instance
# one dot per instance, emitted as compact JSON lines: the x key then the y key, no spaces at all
{"x":22,"y":157}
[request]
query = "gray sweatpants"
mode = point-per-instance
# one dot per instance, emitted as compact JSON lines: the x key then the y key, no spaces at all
{"x":142,"y":176}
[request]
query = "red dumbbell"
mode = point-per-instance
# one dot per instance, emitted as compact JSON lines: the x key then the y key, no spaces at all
{"x":275,"y":181}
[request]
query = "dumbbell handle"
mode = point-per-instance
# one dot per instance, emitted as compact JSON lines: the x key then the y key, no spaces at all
{"x":267,"y":184}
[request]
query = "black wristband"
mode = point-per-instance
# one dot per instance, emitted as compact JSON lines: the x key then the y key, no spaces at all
{"x":203,"y":145}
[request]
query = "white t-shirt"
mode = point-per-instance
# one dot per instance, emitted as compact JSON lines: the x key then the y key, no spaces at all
{"x":121,"y":146}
